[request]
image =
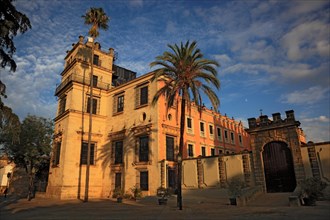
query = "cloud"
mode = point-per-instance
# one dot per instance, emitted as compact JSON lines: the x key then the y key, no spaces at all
{"x":307,"y":40}
{"x":223,"y":59}
{"x":317,"y":129}
{"x":321,"y":119}
{"x":308,"y":96}
{"x":136,"y":3}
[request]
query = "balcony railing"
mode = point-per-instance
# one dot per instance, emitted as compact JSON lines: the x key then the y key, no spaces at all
{"x":83,"y":80}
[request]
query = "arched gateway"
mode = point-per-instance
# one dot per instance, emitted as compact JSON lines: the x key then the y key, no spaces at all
{"x":276,"y":148}
{"x":278,"y":167}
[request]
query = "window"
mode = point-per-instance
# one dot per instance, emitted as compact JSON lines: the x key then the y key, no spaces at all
{"x":83,"y":155}
{"x":144,"y":95}
{"x":190,"y":150}
{"x":141,"y":96}
{"x":189,"y":125}
{"x":95,"y":107}
{"x":211,"y":129}
{"x":226,"y":135}
{"x":96,"y":60}
{"x":120,"y":103}
{"x":95,"y":78}
{"x":212,"y":152}
{"x":62,"y":104}
{"x":144,"y":182}
{"x":240,"y":139}
{"x":57,"y":153}
{"x":118,"y":180}
{"x":219,"y":134}
{"x":203,"y":152}
{"x":169,"y":148}
{"x":144,"y":149}
{"x":202,"y":130}
{"x":118,"y":152}
{"x":232,"y":139}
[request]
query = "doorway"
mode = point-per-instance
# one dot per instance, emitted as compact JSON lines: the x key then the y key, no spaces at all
{"x":278,"y":167}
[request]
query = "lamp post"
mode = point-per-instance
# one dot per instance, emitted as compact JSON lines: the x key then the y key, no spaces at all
{"x":179,"y":198}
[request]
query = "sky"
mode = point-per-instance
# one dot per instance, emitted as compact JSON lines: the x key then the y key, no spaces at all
{"x":274,"y":55}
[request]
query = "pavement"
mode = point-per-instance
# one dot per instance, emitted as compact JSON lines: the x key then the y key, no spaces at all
{"x":197,"y":204}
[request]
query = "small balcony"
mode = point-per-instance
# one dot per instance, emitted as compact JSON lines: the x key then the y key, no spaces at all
{"x":83,"y":80}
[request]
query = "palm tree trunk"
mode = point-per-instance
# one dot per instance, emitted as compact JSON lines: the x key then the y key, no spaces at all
{"x":182,"y":124}
{"x":90,"y":127}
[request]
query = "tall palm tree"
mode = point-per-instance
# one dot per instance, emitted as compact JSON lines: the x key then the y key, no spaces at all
{"x":186,"y":74}
{"x":99,"y":20}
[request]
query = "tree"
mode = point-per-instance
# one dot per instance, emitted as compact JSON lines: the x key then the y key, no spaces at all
{"x":33,"y":149}
{"x":99,"y":20}
{"x":11,"y":22}
{"x":185,"y":74}
{"x":10,"y":127}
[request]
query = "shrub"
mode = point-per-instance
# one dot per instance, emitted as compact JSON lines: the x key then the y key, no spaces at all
{"x":235,"y":187}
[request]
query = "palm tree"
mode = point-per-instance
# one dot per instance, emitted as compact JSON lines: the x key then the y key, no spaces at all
{"x":185,"y":74}
{"x":99,"y":20}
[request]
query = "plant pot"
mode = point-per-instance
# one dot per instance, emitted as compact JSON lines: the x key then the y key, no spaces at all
{"x":233,"y":201}
{"x":162,"y":201}
{"x":119,"y":200}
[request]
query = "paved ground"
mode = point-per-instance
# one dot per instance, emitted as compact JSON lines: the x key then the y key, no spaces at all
{"x":206,"y":204}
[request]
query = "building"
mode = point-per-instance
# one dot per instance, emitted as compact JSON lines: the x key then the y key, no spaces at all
{"x":134,"y":144}
{"x":6,"y":171}
{"x":276,"y":147}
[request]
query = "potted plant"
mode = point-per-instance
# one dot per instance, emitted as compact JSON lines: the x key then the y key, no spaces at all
{"x":163,"y":194}
{"x":118,"y":194}
{"x":136,"y":193}
{"x":235,"y":190}
{"x":311,"y":190}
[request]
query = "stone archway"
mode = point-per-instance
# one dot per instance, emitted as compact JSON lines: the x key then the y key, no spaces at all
{"x":278,"y":167}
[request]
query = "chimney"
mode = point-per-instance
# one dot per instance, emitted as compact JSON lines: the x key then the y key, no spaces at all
{"x":252,"y":122}
{"x":97,"y":46}
{"x":290,"y":115}
{"x":111,"y":51}
{"x":263,"y":120}
{"x":81,"y":39}
{"x":277,"y":117}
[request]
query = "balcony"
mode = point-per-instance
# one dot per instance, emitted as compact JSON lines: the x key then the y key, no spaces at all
{"x":83,"y":80}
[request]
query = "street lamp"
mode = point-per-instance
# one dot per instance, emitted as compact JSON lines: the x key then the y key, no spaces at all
{"x":179,"y":199}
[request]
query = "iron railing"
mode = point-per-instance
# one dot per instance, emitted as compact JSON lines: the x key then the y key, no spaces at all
{"x":83,"y":80}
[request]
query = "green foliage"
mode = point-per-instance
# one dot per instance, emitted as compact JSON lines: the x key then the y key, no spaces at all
{"x":312,"y":188}
{"x":11,"y":22}
{"x":10,"y":127}
{"x":34,"y":146}
{"x":117,"y":193}
{"x":187,"y":73}
{"x":235,"y":187}
{"x":136,"y":192}
{"x":163,"y":192}
{"x":98,"y":19}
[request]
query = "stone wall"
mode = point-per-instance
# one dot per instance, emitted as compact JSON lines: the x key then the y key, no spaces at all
{"x":216,"y":171}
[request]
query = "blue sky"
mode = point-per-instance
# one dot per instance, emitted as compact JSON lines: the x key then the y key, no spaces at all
{"x":274,"y":55}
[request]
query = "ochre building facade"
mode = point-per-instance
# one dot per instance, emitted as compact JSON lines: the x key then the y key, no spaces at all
{"x":133,"y":143}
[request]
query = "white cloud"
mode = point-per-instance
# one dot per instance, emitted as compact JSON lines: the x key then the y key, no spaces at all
{"x":307,"y":40}
{"x":308,"y":96}
{"x":223,"y":59}
{"x":136,"y":3}
{"x":321,"y":118}
{"x":317,"y":129}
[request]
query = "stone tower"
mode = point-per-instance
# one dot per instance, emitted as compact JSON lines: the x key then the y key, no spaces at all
{"x":71,"y":122}
{"x":276,"y":146}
